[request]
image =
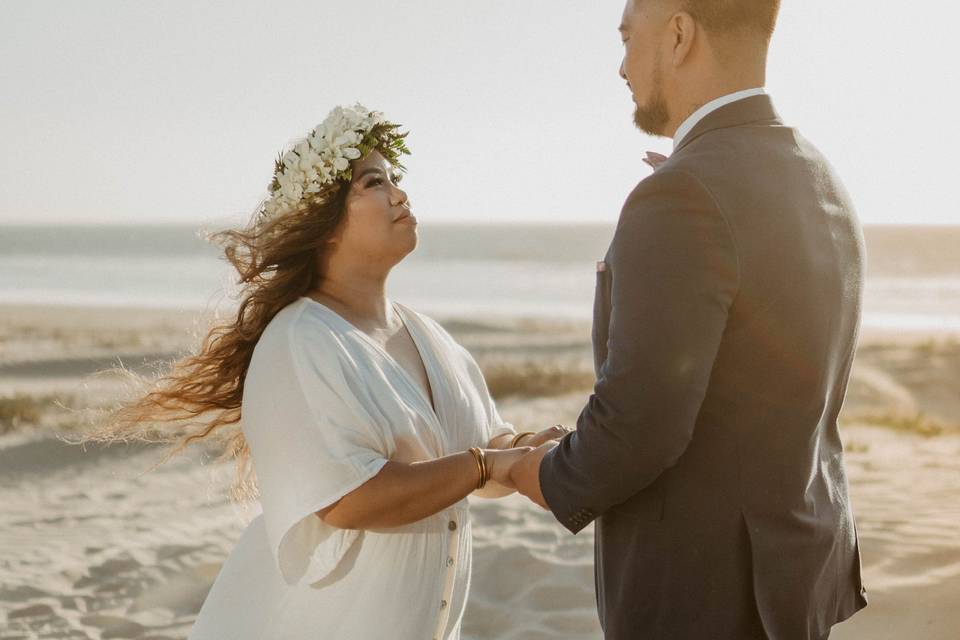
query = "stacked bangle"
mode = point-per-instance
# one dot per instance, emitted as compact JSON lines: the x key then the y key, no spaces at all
{"x":481,"y":459}
{"x":516,"y":438}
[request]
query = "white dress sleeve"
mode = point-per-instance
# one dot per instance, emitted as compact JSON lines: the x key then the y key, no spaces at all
{"x":311,"y":442}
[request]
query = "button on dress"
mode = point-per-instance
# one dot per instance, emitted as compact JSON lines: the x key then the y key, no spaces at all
{"x":324,"y":408}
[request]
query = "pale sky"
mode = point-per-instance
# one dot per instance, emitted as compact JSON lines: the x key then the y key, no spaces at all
{"x":173,"y":111}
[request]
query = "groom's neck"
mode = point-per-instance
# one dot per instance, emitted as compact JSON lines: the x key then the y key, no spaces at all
{"x":709,"y":82}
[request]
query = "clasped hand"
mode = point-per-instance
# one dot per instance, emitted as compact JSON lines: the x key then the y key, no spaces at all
{"x":519,"y":468}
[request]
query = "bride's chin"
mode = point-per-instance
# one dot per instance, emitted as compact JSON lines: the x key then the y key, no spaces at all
{"x":410,"y":240}
{"x":408,"y":230}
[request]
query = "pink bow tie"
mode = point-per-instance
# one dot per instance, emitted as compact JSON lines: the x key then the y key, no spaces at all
{"x":655,"y":159}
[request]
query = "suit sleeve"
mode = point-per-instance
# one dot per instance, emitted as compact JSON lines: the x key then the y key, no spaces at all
{"x":674,"y":274}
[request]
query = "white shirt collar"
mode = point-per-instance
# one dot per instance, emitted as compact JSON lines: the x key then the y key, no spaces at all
{"x":713,"y":105}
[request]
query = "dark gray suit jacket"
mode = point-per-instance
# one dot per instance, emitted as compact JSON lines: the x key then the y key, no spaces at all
{"x":724,"y":329}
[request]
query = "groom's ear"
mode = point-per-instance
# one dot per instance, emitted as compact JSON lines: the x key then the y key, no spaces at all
{"x":682,"y":32}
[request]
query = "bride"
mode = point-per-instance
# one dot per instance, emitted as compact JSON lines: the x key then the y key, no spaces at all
{"x":367,"y":425}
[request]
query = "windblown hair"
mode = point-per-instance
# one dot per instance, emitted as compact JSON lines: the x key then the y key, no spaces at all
{"x":735,"y":17}
{"x":199,"y":398}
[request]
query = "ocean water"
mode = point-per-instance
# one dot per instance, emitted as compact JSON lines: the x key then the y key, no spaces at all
{"x":467,"y":271}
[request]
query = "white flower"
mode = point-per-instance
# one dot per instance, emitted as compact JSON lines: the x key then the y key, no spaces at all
{"x":309,"y":159}
{"x":341,"y":164}
{"x":291,"y":185}
{"x":290,"y":159}
{"x":335,"y":122}
{"x":302,"y":148}
{"x":297,"y":176}
{"x":350,"y":153}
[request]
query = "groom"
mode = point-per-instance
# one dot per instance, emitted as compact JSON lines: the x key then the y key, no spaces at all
{"x":725,"y":320}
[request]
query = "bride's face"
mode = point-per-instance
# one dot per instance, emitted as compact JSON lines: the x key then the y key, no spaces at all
{"x":378,"y":226}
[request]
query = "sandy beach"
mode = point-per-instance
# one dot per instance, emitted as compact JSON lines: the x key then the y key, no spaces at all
{"x":92,"y":546}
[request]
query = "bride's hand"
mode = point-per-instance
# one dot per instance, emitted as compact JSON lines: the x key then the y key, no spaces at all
{"x":500,"y":461}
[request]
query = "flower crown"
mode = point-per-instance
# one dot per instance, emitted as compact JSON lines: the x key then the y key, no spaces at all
{"x":318,"y":163}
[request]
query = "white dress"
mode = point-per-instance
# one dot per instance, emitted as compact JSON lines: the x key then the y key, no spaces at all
{"x":324,"y":408}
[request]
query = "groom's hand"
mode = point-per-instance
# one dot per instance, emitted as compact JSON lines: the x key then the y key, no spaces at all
{"x":525,"y":473}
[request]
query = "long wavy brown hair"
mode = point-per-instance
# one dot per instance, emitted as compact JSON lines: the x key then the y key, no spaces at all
{"x":199,"y":397}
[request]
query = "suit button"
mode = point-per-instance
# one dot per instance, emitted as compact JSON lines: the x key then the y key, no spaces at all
{"x":452,"y":525}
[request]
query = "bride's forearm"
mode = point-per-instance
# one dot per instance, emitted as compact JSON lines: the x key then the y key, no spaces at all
{"x":402,"y":493}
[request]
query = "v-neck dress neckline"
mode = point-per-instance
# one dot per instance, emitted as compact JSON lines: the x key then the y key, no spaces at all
{"x":433,"y":407}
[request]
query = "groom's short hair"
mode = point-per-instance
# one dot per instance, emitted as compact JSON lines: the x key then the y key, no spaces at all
{"x":732,"y":17}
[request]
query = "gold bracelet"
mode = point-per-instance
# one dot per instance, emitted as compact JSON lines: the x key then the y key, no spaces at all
{"x":516,"y":438}
{"x":486,"y":471}
{"x":481,"y":459}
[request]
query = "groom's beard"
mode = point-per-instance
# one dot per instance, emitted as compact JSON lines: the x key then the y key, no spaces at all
{"x":652,"y":118}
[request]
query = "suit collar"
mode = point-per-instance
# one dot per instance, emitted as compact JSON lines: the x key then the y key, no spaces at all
{"x":746,"y":111}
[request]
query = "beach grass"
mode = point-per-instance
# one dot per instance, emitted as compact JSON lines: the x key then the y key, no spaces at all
{"x":535,"y":379}
{"x":917,"y":423}
{"x":21,"y":409}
